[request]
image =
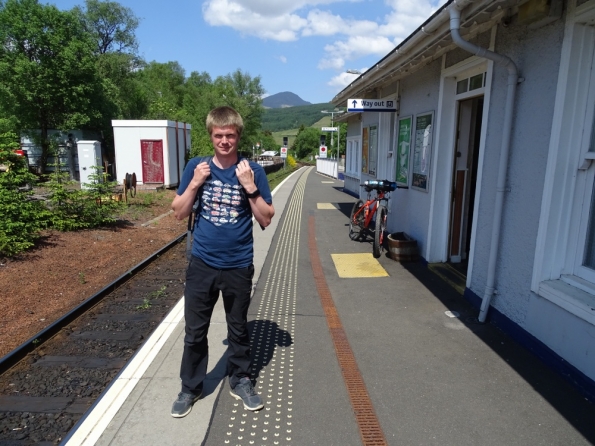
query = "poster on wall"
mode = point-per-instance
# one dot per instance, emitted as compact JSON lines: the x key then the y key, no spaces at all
{"x":422,"y":150}
{"x":365,"y":150}
{"x":403,"y":144}
{"x":373,"y":150}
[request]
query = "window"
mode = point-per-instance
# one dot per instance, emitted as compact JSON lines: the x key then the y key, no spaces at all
{"x":584,"y":253}
{"x":352,"y":158}
{"x":471,"y":83}
{"x":373,"y":150}
{"x":564,"y":270}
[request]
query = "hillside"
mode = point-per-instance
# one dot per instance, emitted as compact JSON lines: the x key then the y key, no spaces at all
{"x":283,"y":100}
{"x":278,"y":119}
{"x":325,"y":121}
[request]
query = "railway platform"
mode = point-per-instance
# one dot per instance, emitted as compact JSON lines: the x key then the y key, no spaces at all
{"x":348,"y":350}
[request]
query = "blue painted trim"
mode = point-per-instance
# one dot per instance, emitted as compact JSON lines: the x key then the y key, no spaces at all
{"x":571,"y":374}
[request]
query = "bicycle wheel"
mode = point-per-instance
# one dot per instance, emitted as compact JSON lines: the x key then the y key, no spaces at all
{"x":381,"y":215}
{"x":356,"y":222}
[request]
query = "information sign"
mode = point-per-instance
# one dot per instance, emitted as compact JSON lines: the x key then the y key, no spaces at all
{"x":371,"y":105}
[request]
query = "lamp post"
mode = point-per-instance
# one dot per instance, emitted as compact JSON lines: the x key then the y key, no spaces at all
{"x":333,"y":113}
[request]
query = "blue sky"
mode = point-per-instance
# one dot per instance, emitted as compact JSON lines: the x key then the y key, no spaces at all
{"x":302,"y":46}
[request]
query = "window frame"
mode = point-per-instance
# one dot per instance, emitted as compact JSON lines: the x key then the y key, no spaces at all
{"x":353,"y":163}
{"x":558,"y":274}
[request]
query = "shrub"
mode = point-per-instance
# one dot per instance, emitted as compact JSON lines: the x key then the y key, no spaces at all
{"x":21,"y":217}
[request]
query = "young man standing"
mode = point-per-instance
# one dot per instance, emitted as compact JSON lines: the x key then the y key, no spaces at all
{"x":230,"y":191}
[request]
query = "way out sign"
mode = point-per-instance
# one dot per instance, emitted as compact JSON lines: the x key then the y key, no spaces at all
{"x":322,"y":152}
{"x":371,"y":105}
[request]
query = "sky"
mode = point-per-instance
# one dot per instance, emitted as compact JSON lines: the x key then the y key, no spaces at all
{"x":301,"y":46}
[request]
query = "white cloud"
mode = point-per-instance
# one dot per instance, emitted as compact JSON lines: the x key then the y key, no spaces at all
{"x":343,"y":79}
{"x":283,"y":59}
{"x":289,"y":20}
{"x":341,"y":51}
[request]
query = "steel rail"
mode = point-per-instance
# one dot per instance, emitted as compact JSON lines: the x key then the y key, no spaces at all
{"x":18,"y":354}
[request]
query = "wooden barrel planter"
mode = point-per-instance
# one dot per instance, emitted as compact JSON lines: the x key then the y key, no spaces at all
{"x":402,"y":247}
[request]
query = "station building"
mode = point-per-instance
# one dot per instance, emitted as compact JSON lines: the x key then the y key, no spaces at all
{"x":486,"y":113}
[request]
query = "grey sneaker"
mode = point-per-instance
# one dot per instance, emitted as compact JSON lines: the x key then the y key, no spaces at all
{"x":245,"y":391}
{"x":183,"y":405}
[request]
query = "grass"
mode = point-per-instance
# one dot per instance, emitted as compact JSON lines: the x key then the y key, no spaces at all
{"x":148,"y":204}
{"x":276,"y":178}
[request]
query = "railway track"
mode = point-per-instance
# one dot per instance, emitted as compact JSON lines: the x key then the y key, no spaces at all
{"x":49,"y":382}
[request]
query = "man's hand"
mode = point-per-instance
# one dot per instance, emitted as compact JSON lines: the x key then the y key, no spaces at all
{"x":245,"y":176}
{"x":201,"y":173}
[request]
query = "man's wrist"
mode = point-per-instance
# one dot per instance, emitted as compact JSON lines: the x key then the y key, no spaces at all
{"x":255,"y":193}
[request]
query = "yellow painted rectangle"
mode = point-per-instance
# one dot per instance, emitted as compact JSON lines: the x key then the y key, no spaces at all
{"x":358,"y":265}
{"x":325,"y":206}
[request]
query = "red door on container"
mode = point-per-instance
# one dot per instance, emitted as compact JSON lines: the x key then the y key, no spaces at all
{"x":152,"y":157}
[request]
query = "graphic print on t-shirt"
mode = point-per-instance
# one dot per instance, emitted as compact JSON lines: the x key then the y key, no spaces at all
{"x":221,"y":202}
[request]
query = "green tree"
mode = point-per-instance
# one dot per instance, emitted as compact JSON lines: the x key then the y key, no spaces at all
{"x":200,"y":97}
{"x":244,"y":93}
{"x":267,"y":142}
{"x":112,"y":26}
{"x":163,"y":86}
{"x":307,"y":142}
{"x":48,"y":76}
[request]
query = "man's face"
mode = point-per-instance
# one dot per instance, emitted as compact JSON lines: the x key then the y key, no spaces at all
{"x":225,"y":140}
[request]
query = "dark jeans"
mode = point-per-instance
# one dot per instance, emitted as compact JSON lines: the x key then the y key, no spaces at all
{"x":203,"y":284}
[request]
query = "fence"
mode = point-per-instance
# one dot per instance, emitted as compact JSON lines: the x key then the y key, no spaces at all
{"x":328,"y":167}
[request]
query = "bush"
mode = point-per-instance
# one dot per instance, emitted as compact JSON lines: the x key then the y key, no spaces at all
{"x":21,"y":217}
{"x":91,"y":207}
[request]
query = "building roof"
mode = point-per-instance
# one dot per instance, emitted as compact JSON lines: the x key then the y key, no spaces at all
{"x":427,"y":43}
{"x":269,"y":153}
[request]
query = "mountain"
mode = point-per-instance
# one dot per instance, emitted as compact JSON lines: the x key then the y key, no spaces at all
{"x":283,"y":100}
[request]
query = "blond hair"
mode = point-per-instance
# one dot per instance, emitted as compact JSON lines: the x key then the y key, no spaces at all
{"x":224,"y":116}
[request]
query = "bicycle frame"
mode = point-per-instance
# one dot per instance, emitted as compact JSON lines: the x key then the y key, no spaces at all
{"x":363,"y":213}
{"x":370,"y":206}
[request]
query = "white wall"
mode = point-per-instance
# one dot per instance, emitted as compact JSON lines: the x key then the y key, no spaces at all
{"x":537,"y":55}
{"x":127,"y":142}
{"x":410,"y":208}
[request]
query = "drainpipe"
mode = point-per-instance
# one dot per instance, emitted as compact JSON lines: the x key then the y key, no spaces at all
{"x":513,"y":78}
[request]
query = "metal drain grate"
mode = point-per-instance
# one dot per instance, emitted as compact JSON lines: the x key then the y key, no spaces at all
{"x":368,"y":424}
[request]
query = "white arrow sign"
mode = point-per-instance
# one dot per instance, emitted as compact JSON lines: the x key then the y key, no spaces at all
{"x":371,"y":105}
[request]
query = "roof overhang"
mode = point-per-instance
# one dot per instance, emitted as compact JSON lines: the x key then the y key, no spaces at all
{"x":429,"y":42}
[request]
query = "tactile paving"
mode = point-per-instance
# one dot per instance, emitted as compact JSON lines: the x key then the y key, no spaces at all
{"x":325,"y":206}
{"x":358,"y":265}
{"x":273,"y":342}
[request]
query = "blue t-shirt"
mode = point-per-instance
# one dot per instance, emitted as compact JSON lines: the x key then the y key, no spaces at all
{"x":223,"y":230}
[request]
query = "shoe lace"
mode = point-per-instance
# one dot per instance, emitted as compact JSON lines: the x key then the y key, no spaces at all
{"x":184,"y":396}
{"x":246,"y":385}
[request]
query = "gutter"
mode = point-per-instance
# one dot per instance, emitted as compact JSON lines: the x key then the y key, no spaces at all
{"x":455,"y":23}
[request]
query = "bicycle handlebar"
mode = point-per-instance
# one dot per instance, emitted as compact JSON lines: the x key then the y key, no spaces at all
{"x":382,"y":185}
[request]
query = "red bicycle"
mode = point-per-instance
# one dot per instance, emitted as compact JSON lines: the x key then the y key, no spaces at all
{"x":362,"y":213}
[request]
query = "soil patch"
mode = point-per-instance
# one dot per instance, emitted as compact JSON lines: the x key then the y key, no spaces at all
{"x":66,"y":268}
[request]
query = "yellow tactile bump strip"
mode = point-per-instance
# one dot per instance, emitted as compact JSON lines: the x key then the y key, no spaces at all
{"x":358,"y":265}
{"x":325,"y":206}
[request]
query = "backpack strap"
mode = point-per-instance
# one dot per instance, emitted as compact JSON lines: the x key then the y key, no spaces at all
{"x":192,"y":217}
